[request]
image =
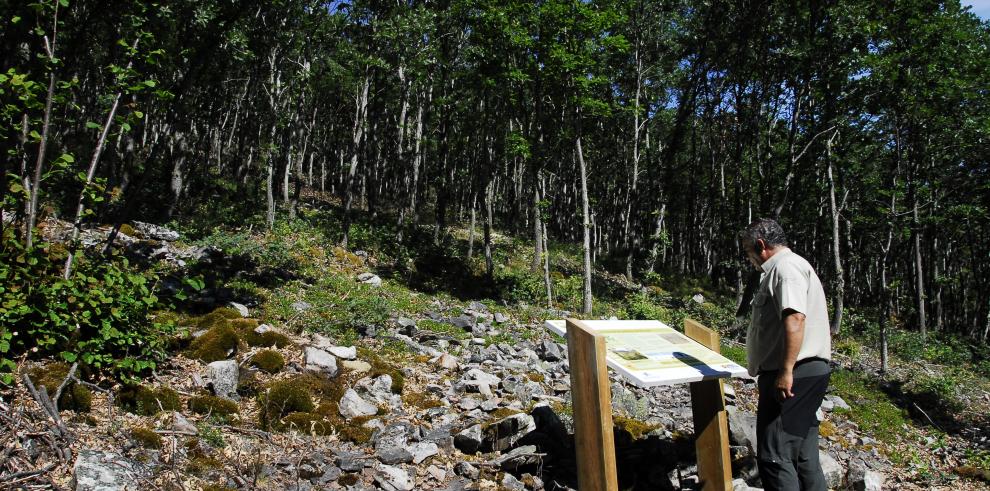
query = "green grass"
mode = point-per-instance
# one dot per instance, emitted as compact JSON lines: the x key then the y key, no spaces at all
{"x":871,"y":408}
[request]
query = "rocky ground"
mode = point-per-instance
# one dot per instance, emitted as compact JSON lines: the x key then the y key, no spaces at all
{"x":460,"y":396}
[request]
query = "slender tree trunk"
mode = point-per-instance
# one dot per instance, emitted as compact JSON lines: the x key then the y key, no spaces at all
{"x":537,"y":226}
{"x":35,"y":188}
{"x":586,"y":305}
{"x":840,"y":283}
{"x":360,"y":113}
{"x":474,"y":203}
{"x":489,"y":262}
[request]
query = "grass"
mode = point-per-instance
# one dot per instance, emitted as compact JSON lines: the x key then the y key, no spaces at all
{"x":871,"y":408}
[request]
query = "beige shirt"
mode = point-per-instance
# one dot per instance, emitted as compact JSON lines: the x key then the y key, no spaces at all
{"x":788,"y":282}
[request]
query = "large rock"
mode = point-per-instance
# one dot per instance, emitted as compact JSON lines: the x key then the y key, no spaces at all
{"x":551,"y":352}
{"x":392,"y":478}
{"x":223,"y":377}
{"x":370,"y":279}
{"x":742,"y":428}
{"x":96,"y":470}
{"x":862,"y":478}
{"x":465,"y":322}
{"x":240,"y":308}
{"x":469,"y":440}
{"x":352,"y":406}
{"x":343,"y":352}
{"x":505,"y":433}
{"x":156,"y":232}
{"x":320,"y":361}
{"x":476,"y":376}
{"x":832,"y":470}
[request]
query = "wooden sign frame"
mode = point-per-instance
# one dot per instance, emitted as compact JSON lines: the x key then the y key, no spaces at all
{"x":592,"y":405}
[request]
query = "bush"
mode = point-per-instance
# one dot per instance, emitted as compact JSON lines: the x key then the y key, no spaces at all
{"x":101,"y":316}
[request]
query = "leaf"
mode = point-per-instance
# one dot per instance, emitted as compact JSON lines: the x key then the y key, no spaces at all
{"x":69,"y":357}
{"x":93,"y":126}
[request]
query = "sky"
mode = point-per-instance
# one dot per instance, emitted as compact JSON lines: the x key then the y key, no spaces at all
{"x":980,"y":7}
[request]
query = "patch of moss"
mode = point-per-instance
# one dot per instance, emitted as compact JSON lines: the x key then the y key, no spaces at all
{"x":227,"y":312}
{"x":215,"y":487}
{"x":216,"y":406}
{"x":248,"y":384}
{"x":348,"y":479}
{"x":308,"y":423}
{"x":75,"y":397}
{"x":536,"y":377}
{"x":504,"y":412}
{"x":381,"y":367}
{"x":634,"y":427}
{"x":269,"y":361}
{"x":144,"y":401}
{"x":267,"y":339}
{"x":201,"y":464}
{"x":422,"y":400}
{"x":282,"y":398}
{"x":243,"y":323}
{"x":146,"y":437}
{"x":355,"y":431}
{"x":214,"y":344}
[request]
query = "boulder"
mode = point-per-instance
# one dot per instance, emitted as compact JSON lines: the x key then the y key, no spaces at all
{"x":464,"y":322}
{"x":742,"y":428}
{"x":391,"y":478}
{"x":223,"y":377}
{"x":240,"y":308}
{"x":370,"y":279}
{"x":448,"y":361}
{"x":832,"y":470}
{"x":343,"y":352}
{"x":352,"y":406}
{"x":504,"y":434}
{"x":862,"y":478}
{"x":320,"y":361}
{"x":156,"y":232}
{"x":837,"y":402}
{"x":500,"y":318}
{"x":551,"y":352}
{"x":96,"y":470}
{"x":469,"y":440}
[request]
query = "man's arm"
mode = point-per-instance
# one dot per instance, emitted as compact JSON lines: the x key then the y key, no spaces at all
{"x":793,"y":337}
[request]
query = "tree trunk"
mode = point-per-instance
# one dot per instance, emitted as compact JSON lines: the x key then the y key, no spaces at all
{"x":586,"y":218}
{"x":840,"y":284}
{"x":360,"y":113}
{"x":489,"y":262}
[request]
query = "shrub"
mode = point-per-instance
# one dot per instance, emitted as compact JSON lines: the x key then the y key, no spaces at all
{"x":141,"y":400}
{"x":100,"y":316}
{"x":269,"y":361}
{"x":213,"y":405}
{"x":282,"y":398}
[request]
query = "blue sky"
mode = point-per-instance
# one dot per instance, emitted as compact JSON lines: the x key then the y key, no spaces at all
{"x":980,"y":7}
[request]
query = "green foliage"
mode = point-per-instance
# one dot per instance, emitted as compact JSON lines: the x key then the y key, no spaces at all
{"x":871,"y":408}
{"x":269,"y":361}
{"x":101,"y":316}
{"x":213,"y":405}
{"x":735,"y":352}
{"x":145,"y":401}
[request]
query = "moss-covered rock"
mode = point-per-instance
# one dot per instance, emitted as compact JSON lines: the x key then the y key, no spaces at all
{"x":213,"y":405}
{"x":282,"y":398}
{"x":248,"y":384}
{"x":146,"y":437}
{"x":139,"y":399}
{"x":267,"y":339}
{"x":354,"y":430}
{"x":636,"y":428}
{"x":269,"y":361}
{"x":381,"y":367}
{"x":215,"y":344}
{"x":75,"y":397}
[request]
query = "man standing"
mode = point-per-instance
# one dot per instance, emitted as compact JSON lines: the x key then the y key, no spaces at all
{"x":788,"y":346}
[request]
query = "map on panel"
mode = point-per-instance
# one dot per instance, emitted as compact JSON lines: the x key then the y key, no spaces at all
{"x":650,"y":353}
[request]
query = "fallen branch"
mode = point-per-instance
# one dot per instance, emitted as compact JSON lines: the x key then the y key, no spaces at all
{"x":263,"y":434}
{"x":68,"y":378}
{"x":929,"y":418}
{"x":41,"y":397}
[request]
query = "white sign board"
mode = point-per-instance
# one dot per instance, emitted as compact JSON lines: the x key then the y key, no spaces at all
{"x":650,"y":353}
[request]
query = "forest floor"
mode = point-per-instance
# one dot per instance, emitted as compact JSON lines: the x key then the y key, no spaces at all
{"x":429,"y":319}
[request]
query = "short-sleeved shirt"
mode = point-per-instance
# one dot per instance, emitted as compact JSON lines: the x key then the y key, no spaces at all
{"x":788,"y":282}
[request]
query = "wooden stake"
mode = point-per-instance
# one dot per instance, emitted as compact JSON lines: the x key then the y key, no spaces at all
{"x":592,"y":403}
{"x":710,"y":419}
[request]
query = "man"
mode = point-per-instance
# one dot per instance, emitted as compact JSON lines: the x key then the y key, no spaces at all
{"x":788,"y":347}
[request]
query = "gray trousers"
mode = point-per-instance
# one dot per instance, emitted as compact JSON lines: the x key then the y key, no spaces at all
{"x":787,"y":433}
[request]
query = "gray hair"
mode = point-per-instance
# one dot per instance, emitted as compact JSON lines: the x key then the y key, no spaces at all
{"x":763,"y":228}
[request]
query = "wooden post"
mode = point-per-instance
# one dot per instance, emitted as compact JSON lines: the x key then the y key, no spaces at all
{"x":711,"y":425}
{"x":592,"y":404}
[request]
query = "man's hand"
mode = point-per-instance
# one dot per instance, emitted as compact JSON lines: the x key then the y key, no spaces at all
{"x":785,"y":382}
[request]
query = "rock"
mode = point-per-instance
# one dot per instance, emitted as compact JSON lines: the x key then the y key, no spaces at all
{"x":469,"y":404}
{"x":352,"y":406}
{"x":301,"y":306}
{"x":392,"y":478}
{"x":862,"y":478}
{"x":476,"y":376}
{"x":742,"y":428}
{"x":551,"y":352}
{"x":510,"y":483}
{"x":698,"y":298}
{"x":356,"y":366}
{"x":350,"y":462}
{"x":831,"y":469}
{"x":394,"y":455}
{"x":500,"y":318}
{"x":330,"y":474}
{"x":379,"y":391}
{"x":223,"y":377}
{"x":320,"y":361}
{"x":370,"y":279}
{"x":448,"y":361}
{"x":739,"y":485}
{"x":469,"y":440}
{"x":422,"y":451}
{"x":480,"y":329}
{"x":240,"y":308}
{"x":436,"y":473}
{"x":343,"y":352}
{"x":518,"y":457}
{"x":464,"y":322}
{"x":96,"y":470}
{"x":181,"y":424}
{"x":837,"y":402}
{"x":505,"y":433}
{"x":263,"y":328}
{"x":467,"y":470}
{"x":405,"y":322}
{"x":156,"y":232}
